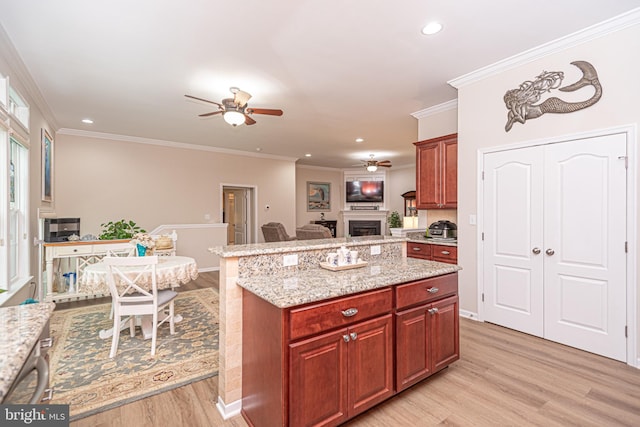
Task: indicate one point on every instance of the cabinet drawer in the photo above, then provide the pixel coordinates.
(426, 290)
(418, 250)
(323, 316)
(444, 253)
(62, 251)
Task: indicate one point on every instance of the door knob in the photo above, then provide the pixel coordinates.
(535, 250)
(550, 252)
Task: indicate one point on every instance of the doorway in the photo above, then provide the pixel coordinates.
(554, 253)
(237, 212)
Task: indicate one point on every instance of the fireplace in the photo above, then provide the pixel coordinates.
(364, 228)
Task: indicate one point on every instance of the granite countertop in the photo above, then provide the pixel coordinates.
(419, 238)
(316, 284)
(21, 329)
(299, 245)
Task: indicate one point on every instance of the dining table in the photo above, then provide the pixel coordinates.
(171, 272)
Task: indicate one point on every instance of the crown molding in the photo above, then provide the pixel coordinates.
(318, 168)
(172, 144)
(436, 109)
(20, 73)
(585, 35)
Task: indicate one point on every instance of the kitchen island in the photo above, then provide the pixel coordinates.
(254, 279)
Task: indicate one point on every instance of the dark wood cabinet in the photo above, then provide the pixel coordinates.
(431, 252)
(330, 224)
(427, 322)
(437, 172)
(323, 363)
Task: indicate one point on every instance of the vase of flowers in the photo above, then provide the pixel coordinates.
(143, 243)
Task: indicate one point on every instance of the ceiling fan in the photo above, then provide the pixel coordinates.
(373, 165)
(235, 111)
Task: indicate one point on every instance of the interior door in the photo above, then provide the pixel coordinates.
(554, 249)
(236, 213)
(513, 212)
(584, 242)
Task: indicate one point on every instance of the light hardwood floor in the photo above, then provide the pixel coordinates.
(503, 378)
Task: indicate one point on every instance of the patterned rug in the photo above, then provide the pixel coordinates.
(85, 378)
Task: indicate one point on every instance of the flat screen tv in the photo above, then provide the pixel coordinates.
(365, 191)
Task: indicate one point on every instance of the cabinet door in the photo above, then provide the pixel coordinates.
(449, 191)
(413, 352)
(370, 367)
(428, 175)
(443, 331)
(318, 380)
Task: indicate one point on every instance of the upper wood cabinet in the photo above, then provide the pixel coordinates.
(437, 172)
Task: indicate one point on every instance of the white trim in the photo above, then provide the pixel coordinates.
(172, 144)
(318, 168)
(469, 315)
(632, 215)
(254, 237)
(585, 35)
(208, 269)
(185, 226)
(436, 109)
(229, 411)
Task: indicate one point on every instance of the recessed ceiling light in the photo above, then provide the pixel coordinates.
(87, 121)
(308, 155)
(258, 149)
(432, 28)
(359, 140)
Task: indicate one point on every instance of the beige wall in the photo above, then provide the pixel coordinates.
(399, 181)
(306, 174)
(482, 116)
(101, 180)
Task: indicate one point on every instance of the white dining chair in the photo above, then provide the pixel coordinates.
(135, 296)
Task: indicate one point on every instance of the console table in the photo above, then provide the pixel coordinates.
(85, 253)
(331, 225)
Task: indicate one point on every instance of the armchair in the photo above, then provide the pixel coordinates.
(275, 232)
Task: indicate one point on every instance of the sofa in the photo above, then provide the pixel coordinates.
(313, 231)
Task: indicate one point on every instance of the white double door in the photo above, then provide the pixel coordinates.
(554, 242)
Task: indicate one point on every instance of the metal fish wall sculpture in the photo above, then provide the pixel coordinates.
(520, 102)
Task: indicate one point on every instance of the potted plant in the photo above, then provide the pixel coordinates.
(119, 230)
(395, 223)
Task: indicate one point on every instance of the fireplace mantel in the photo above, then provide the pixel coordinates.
(365, 215)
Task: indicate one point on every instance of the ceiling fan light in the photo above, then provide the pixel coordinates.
(372, 168)
(234, 118)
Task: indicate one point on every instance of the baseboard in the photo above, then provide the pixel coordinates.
(208, 269)
(469, 315)
(230, 410)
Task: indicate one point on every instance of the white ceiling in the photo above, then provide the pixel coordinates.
(340, 69)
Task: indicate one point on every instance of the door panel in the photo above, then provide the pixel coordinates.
(554, 250)
(513, 228)
(585, 217)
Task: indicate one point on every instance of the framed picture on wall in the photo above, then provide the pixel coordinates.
(47, 167)
(318, 196)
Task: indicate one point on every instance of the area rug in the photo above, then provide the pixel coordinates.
(85, 378)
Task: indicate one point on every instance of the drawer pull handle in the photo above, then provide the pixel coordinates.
(416, 249)
(350, 312)
(433, 310)
(353, 336)
(446, 252)
(46, 343)
(345, 338)
(433, 290)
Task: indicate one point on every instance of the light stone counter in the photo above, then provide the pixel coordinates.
(305, 286)
(419, 238)
(21, 329)
(300, 245)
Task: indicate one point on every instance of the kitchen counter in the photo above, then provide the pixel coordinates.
(21, 329)
(300, 245)
(302, 287)
(419, 238)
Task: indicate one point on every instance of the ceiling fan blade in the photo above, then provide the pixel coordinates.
(210, 114)
(203, 100)
(385, 165)
(384, 162)
(248, 120)
(268, 111)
